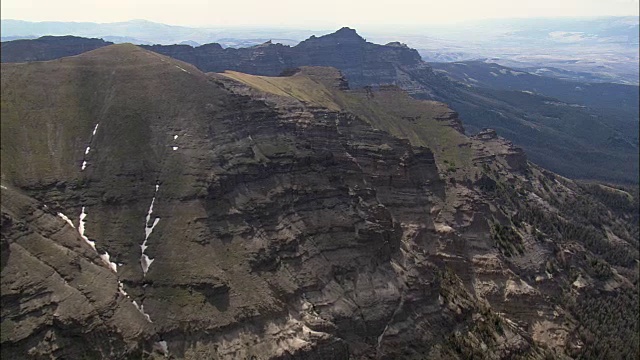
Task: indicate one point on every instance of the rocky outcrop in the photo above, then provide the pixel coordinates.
(286, 227)
(362, 62)
(514, 156)
(56, 289)
(236, 216)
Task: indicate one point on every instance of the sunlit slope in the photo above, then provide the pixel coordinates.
(424, 123)
(51, 109)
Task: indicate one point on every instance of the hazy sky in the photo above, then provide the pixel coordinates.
(306, 13)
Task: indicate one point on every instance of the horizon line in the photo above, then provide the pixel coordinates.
(318, 26)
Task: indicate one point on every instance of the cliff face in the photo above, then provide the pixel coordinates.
(56, 290)
(573, 140)
(238, 216)
(362, 62)
(544, 127)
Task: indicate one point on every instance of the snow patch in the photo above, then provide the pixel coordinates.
(106, 258)
(149, 229)
(150, 211)
(183, 69)
(141, 309)
(81, 228)
(3, 187)
(66, 218)
(86, 152)
(95, 129)
(175, 137)
(84, 165)
(121, 289)
(494, 74)
(174, 148)
(145, 261)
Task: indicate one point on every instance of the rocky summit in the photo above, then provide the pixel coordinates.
(151, 210)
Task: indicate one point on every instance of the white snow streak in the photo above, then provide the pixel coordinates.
(81, 229)
(175, 137)
(145, 261)
(148, 230)
(105, 257)
(86, 151)
(121, 289)
(150, 211)
(3, 187)
(183, 69)
(141, 309)
(65, 218)
(175, 148)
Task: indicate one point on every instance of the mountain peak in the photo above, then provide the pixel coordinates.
(345, 33)
(347, 30)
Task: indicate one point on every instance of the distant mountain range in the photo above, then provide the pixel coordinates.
(590, 133)
(147, 32)
(601, 49)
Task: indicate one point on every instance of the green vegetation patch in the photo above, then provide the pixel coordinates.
(508, 240)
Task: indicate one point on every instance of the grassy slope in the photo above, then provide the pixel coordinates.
(141, 99)
(389, 110)
(45, 128)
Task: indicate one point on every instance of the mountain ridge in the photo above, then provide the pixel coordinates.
(576, 142)
(289, 217)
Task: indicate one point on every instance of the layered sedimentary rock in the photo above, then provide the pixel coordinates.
(229, 216)
(598, 141)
